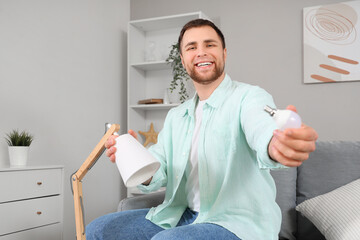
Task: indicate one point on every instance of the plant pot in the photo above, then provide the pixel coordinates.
(174, 96)
(166, 96)
(18, 155)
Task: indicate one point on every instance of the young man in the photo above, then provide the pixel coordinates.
(215, 152)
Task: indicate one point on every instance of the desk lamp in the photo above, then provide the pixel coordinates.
(77, 177)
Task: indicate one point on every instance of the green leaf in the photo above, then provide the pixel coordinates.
(15, 138)
(179, 73)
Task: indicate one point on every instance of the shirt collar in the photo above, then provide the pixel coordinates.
(215, 99)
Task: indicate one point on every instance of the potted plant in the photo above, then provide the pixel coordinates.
(179, 73)
(19, 143)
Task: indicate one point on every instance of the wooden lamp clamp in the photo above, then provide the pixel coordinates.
(80, 174)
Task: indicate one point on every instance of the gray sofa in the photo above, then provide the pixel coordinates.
(331, 166)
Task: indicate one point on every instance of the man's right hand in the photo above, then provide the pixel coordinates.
(109, 145)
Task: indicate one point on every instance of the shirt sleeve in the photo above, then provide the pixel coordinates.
(258, 125)
(159, 150)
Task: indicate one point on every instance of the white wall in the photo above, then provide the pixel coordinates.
(62, 76)
(264, 42)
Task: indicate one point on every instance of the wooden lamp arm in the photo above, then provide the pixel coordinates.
(80, 174)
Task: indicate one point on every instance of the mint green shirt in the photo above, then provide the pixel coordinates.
(236, 188)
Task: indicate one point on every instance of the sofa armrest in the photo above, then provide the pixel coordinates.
(142, 201)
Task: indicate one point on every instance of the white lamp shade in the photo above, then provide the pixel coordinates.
(135, 163)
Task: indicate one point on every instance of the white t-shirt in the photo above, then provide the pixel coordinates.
(192, 170)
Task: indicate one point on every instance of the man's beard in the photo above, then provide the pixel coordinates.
(216, 73)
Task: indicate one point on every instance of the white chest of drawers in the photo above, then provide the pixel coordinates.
(31, 203)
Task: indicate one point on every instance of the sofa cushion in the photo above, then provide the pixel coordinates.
(142, 201)
(336, 214)
(331, 166)
(285, 180)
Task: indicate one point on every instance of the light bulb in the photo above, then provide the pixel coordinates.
(284, 118)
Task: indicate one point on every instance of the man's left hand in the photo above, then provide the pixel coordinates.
(292, 146)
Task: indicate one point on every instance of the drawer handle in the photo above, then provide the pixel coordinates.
(39, 183)
(38, 213)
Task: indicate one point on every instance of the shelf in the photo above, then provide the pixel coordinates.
(154, 106)
(28, 168)
(149, 79)
(158, 23)
(156, 65)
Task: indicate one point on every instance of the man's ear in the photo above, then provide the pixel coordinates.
(182, 61)
(225, 54)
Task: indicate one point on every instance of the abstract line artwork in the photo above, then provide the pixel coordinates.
(332, 43)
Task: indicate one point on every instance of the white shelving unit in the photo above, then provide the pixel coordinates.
(154, 106)
(148, 73)
(149, 44)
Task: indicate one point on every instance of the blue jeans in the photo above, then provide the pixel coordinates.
(132, 225)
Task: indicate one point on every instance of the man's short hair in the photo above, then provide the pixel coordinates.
(200, 23)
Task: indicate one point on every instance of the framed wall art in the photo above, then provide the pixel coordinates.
(332, 43)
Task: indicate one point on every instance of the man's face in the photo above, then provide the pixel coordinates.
(202, 54)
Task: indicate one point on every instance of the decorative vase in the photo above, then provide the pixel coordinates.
(166, 96)
(150, 52)
(18, 155)
(174, 96)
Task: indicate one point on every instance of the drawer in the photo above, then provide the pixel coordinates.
(22, 215)
(49, 232)
(17, 185)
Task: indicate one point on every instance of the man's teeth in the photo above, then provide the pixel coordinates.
(203, 64)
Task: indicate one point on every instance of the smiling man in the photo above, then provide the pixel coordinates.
(203, 55)
(215, 152)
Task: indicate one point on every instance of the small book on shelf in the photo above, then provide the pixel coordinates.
(151, 101)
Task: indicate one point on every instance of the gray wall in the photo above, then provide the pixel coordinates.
(62, 76)
(264, 42)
